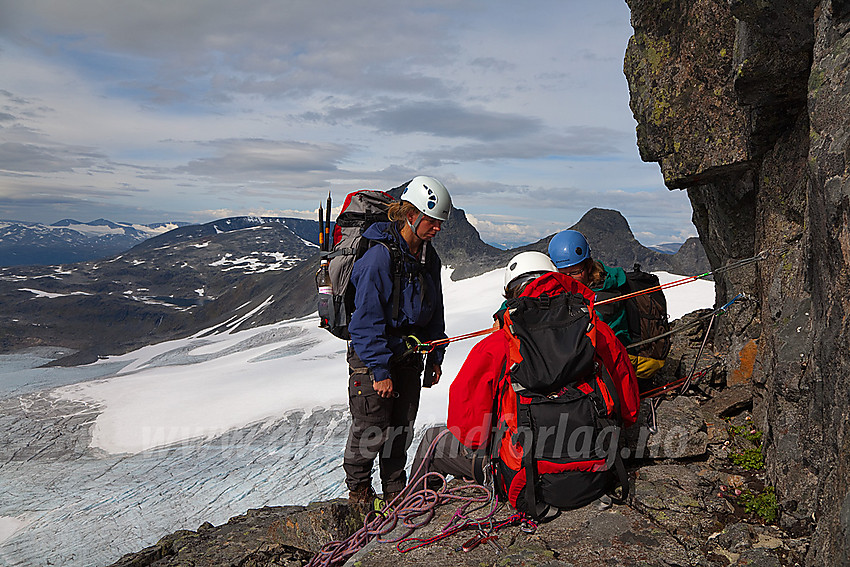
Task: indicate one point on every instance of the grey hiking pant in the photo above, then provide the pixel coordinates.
(449, 456)
(380, 427)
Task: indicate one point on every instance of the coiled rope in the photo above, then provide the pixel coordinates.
(415, 507)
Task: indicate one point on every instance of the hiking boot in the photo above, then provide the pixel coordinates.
(390, 496)
(363, 498)
(603, 502)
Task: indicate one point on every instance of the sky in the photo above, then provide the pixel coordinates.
(201, 109)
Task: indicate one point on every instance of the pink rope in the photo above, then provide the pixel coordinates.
(413, 508)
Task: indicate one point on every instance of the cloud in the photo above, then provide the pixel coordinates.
(446, 119)
(19, 158)
(256, 159)
(492, 64)
(577, 141)
(168, 108)
(213, 214)
(256, 46)
(450, 120)
(506, 231)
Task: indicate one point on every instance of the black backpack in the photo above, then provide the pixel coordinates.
(647, 315)
(360, 210)
(568, 409)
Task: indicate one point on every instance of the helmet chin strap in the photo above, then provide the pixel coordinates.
(415, 226)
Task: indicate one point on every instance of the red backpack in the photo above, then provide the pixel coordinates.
(559, 407)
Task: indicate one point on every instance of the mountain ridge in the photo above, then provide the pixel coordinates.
(260, 269)
(69, 241)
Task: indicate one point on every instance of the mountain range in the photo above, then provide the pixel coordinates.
(237, 273)
(69, 241)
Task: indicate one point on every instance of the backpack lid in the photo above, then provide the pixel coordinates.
(556, 283)
(552, 334)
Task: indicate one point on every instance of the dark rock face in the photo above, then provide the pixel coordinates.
(747, 105)
(611, 241)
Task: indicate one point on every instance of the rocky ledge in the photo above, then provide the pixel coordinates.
(699, 496)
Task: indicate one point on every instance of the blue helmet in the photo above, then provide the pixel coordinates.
(568, 248)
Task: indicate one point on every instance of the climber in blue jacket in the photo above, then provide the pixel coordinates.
(384, 378)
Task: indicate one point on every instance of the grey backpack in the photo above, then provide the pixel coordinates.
(359, 211)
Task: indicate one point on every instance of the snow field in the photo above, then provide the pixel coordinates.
(198, 387)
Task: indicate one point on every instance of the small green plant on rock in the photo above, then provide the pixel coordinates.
(747, 432)
(747, 439)
(762, 504)
(750, 459)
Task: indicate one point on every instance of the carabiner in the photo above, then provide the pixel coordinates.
(414, 345)
(528, 526)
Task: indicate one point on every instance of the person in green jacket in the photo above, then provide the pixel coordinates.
(570, 252)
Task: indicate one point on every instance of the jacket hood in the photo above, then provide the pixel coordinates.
(381, 231)
(614, 277)
(555, 283)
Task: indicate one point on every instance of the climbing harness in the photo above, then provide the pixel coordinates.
(414, 345)
(414, 507)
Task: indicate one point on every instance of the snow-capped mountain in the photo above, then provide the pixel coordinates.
(67, 241)
(667, 247)
(171, 285)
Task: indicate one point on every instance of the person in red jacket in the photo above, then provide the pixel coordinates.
(479, 400)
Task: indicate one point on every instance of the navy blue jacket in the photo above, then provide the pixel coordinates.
(375, 336)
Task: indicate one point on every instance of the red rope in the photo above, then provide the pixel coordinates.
(439, 342)
(413, 508)
(668, 285)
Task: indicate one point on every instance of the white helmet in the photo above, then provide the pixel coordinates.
(429, 196)
(526, 263)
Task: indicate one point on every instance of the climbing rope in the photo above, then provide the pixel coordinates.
(414, 345)
(414, 507)
(739, 264)
(674, 384)
(686, 381)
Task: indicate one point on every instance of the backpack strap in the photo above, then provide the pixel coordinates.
(397, 267)
(495, 441)
(538, 511)
(397, 272)
(619, 466)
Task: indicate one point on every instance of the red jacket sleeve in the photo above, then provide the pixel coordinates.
(616, 360)
(473, 392)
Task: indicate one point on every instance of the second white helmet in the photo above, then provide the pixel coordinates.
(429, 196)
(526, 263)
